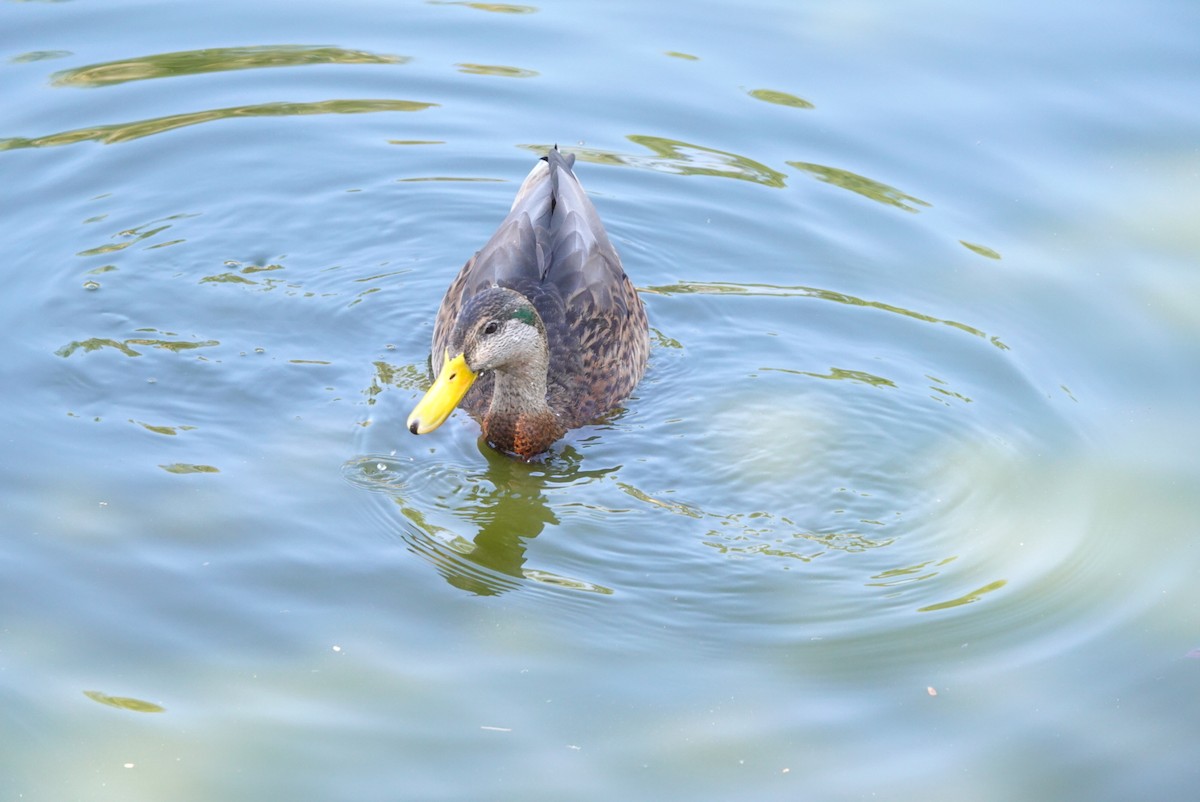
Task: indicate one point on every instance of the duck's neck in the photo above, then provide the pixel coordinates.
(521, 388)
(519, 419)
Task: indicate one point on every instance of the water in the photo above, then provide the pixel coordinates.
(903, 509)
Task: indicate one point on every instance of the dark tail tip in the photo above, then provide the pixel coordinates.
(556, 158)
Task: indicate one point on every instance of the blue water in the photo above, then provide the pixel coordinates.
(904, 508)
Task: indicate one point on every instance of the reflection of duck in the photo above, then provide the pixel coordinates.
(473, 524)
(541, 331)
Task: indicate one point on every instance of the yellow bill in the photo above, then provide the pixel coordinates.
(448, 389)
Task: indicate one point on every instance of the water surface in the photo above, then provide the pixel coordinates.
(904, 508)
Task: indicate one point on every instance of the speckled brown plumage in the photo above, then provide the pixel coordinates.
(553, 249)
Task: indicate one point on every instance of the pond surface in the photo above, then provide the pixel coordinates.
(906, 507)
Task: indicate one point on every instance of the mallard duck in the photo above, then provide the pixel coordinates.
(541, 331)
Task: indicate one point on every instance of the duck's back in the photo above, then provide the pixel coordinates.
(553, 249)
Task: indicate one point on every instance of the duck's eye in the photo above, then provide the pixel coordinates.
(491, 327)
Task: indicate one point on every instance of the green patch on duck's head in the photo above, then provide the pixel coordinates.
(525, 314)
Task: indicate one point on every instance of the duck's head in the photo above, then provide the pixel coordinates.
(497, 330)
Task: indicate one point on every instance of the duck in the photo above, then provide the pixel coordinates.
(541, 331)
